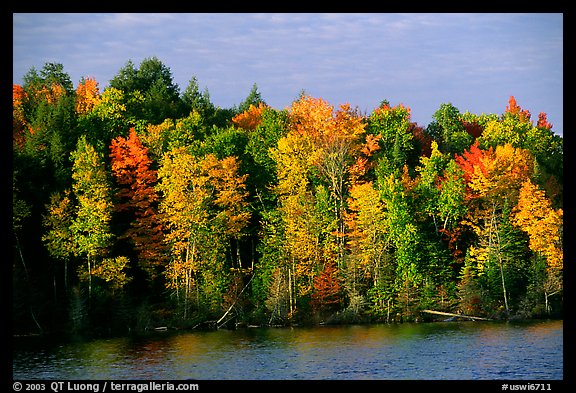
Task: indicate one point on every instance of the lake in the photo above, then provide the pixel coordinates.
(529, 350)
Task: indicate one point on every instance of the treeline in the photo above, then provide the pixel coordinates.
(142, 206)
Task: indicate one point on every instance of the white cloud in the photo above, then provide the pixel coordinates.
(366, 57)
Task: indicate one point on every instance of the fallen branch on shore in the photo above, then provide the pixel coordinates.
(234, 303)
(449, 314)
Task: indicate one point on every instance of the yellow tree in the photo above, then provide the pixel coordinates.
(87, 95)
(313, 162)
(58, 238)
(184, 206)
(293, 162)
(19, 122)
(493, 179)
(543, 224)
(369, 246)
(335, 139)
(91, 225)
(204, 206)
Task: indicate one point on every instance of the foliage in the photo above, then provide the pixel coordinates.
(172, 211)
(203, 206)
(137, 201)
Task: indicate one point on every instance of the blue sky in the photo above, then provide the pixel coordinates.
(474, 61)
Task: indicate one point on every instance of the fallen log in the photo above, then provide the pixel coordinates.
(449, 314)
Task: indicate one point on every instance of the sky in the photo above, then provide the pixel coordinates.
(421, 60)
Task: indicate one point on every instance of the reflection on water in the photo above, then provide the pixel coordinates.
(423, 351)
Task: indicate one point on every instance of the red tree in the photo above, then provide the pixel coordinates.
(327, 290)
(138, 200)
(514, 109)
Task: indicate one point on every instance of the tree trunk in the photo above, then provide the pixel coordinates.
(27, 279)
(89, 281)
(290, 291)
(493, 224)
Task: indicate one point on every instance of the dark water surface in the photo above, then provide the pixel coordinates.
(422, 351)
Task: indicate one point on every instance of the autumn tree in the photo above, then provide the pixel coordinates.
(543, 224)
(87, 95)
(90, 226)
(312, 169)
(370, 267)
(19, 122)
(296, 199)
(335, 140)
(250, 118)
(184, 206)
(326, 296)
(515, 127)
(58, 238)
(203, 208)
(494, 179)
(138, 201)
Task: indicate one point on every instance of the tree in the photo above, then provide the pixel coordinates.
(312, 164)
(87, 95)
(59, 238)
(91, 224)
(138, 200)
(254, 98)
(190, 132)
(296, 203)
(430, 171)
(393, 126)
(326, 290)
(184, 206)
(47, 106)
(543, 224)
(149, 91)
(107, 119)
(250, 118)
(494, 179)
(513, 109)
(369, 268)
(203, 206)
(195, 100)
(261, 166)
(19, 122)
(335, 141)
(515, 127)
(448, 130)
(405, 238)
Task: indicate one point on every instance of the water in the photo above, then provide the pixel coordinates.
(415, 351)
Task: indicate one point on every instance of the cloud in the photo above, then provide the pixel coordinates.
(357, 58)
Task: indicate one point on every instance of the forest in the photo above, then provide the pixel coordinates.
(142, 206)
